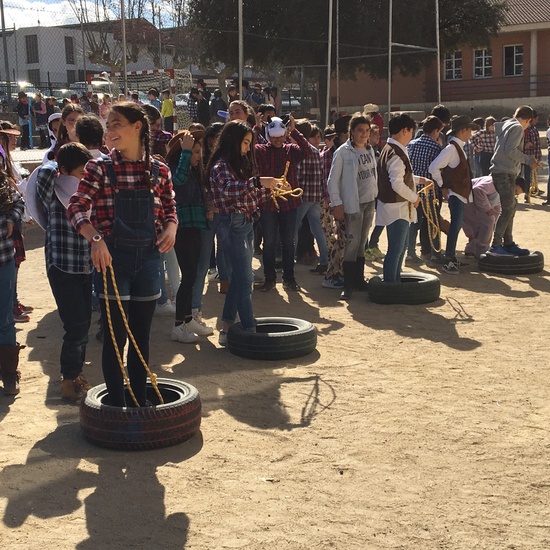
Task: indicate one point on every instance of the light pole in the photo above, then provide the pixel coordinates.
(123, 22)
(329, 61)
(241, 49)
(6, 58)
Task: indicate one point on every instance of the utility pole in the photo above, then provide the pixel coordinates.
(5, 47)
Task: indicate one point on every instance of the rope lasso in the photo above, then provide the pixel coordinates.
(284, 189)
(152, 376)
(432, 217)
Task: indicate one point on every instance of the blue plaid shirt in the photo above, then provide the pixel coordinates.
(65, 248)
(422, 151)
(12, 215)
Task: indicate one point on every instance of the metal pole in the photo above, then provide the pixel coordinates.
(6, 58)
(438, 51)
(329, 60)
(337, 56)
(83, 47)
(123, 22)
(241, 49)
(302, 95)
(390, 38)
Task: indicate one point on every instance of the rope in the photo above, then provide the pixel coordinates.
(284, 189)
(432, 217)
(152, 376)
(533, 187)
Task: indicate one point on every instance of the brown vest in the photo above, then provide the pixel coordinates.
(459, 179)
(385, 191)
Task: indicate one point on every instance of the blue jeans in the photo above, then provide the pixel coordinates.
(312, 210)
(284, 225)
(207, 242)
(456, 207)
(7, 283)
(73, 296)
(236, 235)
(398, 237)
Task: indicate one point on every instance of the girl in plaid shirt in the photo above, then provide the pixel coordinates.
(236, 192)
(133, 220)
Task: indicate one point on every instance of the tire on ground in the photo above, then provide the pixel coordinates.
(414, 288)
(139, 429)
(276, 338)
(511, 265)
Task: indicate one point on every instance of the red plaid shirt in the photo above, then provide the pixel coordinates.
(484, 140)
(96, 194)
(312, 178)
(160, 140)
(272, 161)
(531, 135)
(231, 194)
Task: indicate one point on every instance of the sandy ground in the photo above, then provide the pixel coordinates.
(420, 427)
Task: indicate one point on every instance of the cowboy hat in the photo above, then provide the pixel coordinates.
(460, 122)
(174, 145)
(371, 108)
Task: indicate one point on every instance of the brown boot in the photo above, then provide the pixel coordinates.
(9, 359)
(74, 389)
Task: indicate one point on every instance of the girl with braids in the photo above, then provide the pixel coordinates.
(133, 220)
(236, 192)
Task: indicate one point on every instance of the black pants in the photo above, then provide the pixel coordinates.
(188, 250)
(73, 296)
(140, 317)
(25, 139)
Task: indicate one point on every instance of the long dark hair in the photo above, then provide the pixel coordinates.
(5, 142)
(228, 148)
(63, 136)
(213, 131)
(132, 112)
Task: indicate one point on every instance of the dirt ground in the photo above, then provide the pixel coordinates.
(420, 427)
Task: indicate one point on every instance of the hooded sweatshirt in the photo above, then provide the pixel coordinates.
(508, 156)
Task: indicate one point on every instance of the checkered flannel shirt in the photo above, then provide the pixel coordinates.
(159, 140)
(311, 177)
(65, 248)
(233, 195)
(484, 140)
(97, 194)
(422, 151)
(531, 135)
(272, 161)
(193, 109)
(13, 215)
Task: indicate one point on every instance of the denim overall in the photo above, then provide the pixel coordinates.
(132, 241)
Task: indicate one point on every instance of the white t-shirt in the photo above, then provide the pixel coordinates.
(366, 174)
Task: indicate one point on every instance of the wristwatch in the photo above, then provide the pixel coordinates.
(97, 237)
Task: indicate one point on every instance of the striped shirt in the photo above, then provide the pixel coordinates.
(96, 193)
(65, 248)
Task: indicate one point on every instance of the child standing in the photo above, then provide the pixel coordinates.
(134, 221)
(167, 111)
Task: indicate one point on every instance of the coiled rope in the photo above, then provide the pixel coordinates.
(284, 189)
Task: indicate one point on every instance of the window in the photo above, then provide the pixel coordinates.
(31, 41)
(71, 76)
(69, 50)
(483, 63)
(81, 75)
(453, 66)
(34, 76)
(513, 60)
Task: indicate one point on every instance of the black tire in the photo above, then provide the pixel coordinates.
(511, 265)
(414, 288)
(139, 429)
(276, 338)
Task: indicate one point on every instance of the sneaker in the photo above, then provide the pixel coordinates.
(268, 285)
(25, 309)
(450, 267)
(461, 264)
(413, 259)
(370, 254)
(222, 338)
(197, 316)
(291, 284)
(183, 334)
(200, 329)
(333, 283)
(213, 274)
(168, 308)
(19, 316)
(75, 389)
(516, 250)
(320, 269)
(378, 254)
(499, 250)
(437, 259)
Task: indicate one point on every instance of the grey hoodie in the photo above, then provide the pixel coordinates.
(508, 156)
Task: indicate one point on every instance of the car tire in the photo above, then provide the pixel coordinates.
(414, 288)
(276, 338)
(511, 265)
(142, 428)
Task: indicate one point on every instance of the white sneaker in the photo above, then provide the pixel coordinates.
(168, 308)
(183, 334)
(198, 328)
(213, 274)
